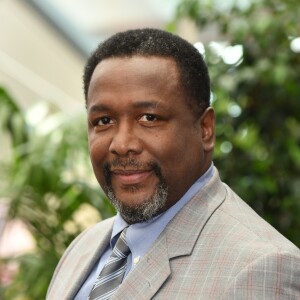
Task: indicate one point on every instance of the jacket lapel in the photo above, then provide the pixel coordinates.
(148, 276)
(178, 239)
(185, 229)
(93, 243)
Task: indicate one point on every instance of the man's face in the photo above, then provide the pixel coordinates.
(146, 145)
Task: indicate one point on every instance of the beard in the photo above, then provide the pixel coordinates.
(150, 207)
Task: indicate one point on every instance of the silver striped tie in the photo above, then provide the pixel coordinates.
(113, 272)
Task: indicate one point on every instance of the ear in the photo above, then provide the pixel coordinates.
(207, 123)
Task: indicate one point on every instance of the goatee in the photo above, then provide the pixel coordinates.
(150, 207)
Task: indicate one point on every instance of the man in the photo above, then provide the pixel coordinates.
(180, 233)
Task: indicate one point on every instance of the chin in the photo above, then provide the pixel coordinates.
(142, 210)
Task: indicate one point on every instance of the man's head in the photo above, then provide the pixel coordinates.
(151, 130)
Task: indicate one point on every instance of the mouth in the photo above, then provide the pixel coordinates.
(130, 177)
(131, 173)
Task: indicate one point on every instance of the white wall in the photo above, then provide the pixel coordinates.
(36, 62)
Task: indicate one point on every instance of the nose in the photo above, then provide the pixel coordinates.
(125, 141)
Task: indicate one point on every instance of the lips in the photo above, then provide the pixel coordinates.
(130, 177)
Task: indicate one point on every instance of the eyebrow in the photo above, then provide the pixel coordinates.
(145, 104)
(138, 104)
(98, 108)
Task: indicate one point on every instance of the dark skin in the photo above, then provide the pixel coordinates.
(137, 110)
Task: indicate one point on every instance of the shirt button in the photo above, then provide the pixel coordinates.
(136, 260)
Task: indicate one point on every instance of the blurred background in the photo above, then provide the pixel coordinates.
(48, 193)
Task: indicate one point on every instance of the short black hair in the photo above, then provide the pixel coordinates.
(193, 73)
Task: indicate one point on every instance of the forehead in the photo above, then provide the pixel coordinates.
(152, 71)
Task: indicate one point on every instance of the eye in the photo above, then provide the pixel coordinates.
(148, 118)
(104, 121)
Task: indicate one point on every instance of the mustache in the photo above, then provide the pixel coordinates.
(129, 162)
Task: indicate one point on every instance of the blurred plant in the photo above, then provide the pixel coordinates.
(254, 63)
(50, 186)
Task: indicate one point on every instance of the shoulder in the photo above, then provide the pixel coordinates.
(234, 217)
(239, 214)
(268, 263)
(274, 275)
(79, 255)
(247, 256)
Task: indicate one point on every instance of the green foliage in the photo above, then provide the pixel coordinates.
(257, 102)
(51, 188)
(11, 119)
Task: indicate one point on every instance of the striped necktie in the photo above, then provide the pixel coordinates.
(113, 272)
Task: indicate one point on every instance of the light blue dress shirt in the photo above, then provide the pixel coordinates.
(140, 236)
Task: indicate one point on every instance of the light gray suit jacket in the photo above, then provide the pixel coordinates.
(216, 247)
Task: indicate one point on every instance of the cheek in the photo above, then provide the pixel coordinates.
(180, 155)
(97, 153)
(168, 151)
